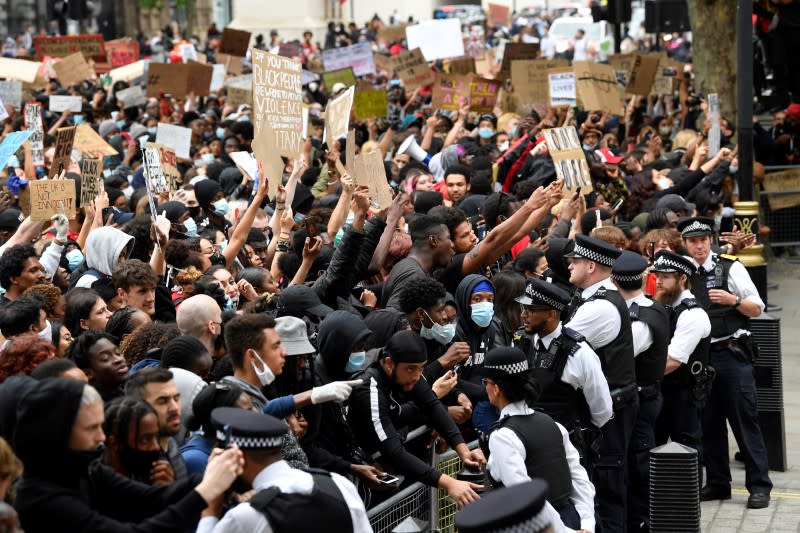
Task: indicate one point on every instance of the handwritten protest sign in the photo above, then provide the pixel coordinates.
(90, 180)
(187, 52)
(390, 34)
(156, 182)
(238, 96)
(374, 176)
(11, 93)
(11, 144)
(89, 142)
(73, 69)
(482, 94)
(517, 52)
(177, 138)
(597, 86)
(787, 180)
(217, 77)
(383, 63)
(278, 99)
(121, 52)
(19, 69)
(561, 87)
(62, 157)
(128, 73)
(91, 45)
(529, 78)
(337, 116)
(464, 65)
(622, 63)
(169, 168)
(643, 74)
(438, 39)
(370, 104)
(272, 162)
(450, 92)
(345, 76)
(413, 70)
(568, 157)
(665, 76)
(132, 96)
(52, 197)
(60, 103)
(33, 122)
(179, 80)
(234, 42)
(233, 64)
(358, 56)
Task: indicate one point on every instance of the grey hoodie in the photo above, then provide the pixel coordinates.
(103, 248)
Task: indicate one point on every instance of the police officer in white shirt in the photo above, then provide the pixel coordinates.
(724, 288)
(525, 444)
(286, 499)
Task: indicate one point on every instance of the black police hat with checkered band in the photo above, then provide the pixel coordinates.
(629, 267)
(540, 292)
(248, 429)
(506, 360)
(670, 262)
(696, 226)
(517, 509)
(594, 250)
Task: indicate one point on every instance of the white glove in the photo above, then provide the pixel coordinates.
(62, 226)
(338, 391)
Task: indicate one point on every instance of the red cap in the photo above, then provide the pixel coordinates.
(609, 157)
(793, 111)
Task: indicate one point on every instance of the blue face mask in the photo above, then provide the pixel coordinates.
(220, 133)
(191, 227)
(485, 133)
(355, 362)
(482, 313)
(733, 169)
(513, 132)
(121, 125)
(77, 120)
(152, 131)
(439, 333)
(245, 118)
(588, 147)
(221, 207)
(228, 303)
(199, 163)
(74, 259)
(717, 222)
(299, 218)
(207, 158)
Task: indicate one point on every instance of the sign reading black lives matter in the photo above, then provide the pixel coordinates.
(90, 180)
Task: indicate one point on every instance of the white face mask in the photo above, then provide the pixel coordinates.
(265, 376)
(47, 333)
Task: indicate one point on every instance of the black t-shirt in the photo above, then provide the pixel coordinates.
(451, 275)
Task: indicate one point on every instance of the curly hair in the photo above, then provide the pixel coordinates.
(667, 236)
(134, 272)
(12, 262)
(49, 293)
(145, 338)
(612, 235)
(23, 353)
(179, 254)
(422, 291)
(78, 351)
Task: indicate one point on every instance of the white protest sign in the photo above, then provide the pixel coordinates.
(61, 103)
(11, 93)
(128, 72)
(438, 39)
(19, 69)
(714, 133)
(359, 56)
(246, 162)
(176, 137)
(561, 85)
(217, 77)
(188, 53)
(132, 96)
(3, 111)
(278, 100)
(33, 122)
(337, 116)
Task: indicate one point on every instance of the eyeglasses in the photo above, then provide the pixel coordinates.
(486, 381)
(532, 308)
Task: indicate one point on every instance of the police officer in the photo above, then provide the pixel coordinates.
(525, 444)
(286, 499)
(522, 508)
(724, 288)
(603, 319)
(650, 328)
(573, 388)
(684, 384)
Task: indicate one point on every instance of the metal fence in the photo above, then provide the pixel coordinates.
(784, 222)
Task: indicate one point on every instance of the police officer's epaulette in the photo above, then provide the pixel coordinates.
(729, 257)
(574, 335)
(690, 303)
(633, 310)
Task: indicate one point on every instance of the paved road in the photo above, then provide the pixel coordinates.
(783, 514)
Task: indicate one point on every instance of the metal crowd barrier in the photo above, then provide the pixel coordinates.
(784, 222)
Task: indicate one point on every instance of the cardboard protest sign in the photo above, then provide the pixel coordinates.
(450, 92)
(370, 104)
(337, 116)
(358, 56)
(437, 39)
(19, 69)
(383, 63)
(128, 73)
(91, 180)
(198, 79)
(464, 65)
(482, 94)
(91, 45)
(169, 168)
(11, 93)
(374, 176)
(597, 87)
(238, 96)
(89, 142)
(517, 52)
(413, 70)
(73, 69)
(390, 34)
(278, 99)
(234, 42)
(179, 80)
(622, 63)
(60, 103)
(33, 122)
(121, 52)
(62, 157)
(272, 163)
(333, 77)
(529, 78)
(562, 87)
(787, 180)
(154, 176)
(11, 144)
(665, 76)
(643, 74)
(177, 138)
(51, 197)
(132, 96)
(233, 64)
(499, 14)
(568, 157)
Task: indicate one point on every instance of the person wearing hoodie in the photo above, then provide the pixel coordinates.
(475, 304)
(59, 438)
(106, 248)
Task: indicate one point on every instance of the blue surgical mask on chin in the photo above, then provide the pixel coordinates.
(355, 362)
(299, 218)
(485, 133)
(482, 313)
(221, 207)
(439, 333)
(588, 147)
(207, 158)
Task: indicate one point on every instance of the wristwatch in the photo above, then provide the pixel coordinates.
(738, 301)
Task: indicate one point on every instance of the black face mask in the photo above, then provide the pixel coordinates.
(194, 212)
(217, 258)
(139, 463)
(82, 459)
